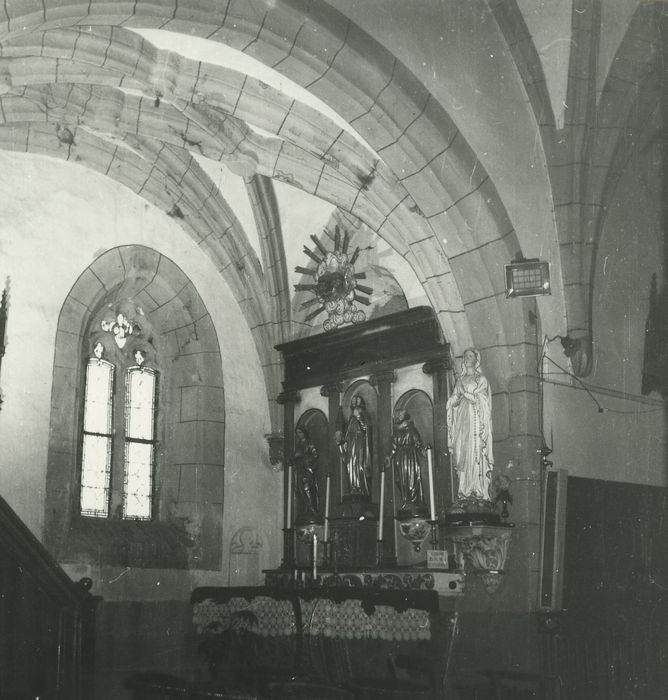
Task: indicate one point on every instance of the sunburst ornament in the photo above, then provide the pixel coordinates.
(336, 287)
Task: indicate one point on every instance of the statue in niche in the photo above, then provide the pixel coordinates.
(469, 420)
(405, 458)
(306, 474)
(355, 448)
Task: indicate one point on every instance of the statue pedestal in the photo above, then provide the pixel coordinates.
(482, 549)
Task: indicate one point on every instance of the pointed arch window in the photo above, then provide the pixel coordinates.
(119, 438)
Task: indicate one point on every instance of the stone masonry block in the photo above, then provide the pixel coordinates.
(87, 289)
(307, 125)
(22, 13)
(221, 86)
(299, 67)
(109, 268)
(169, 316)
(202, 403)
(140, 260)
(192, 302)
(34, 71)
(298, 168)
(197, 442)
(203, 368)
(471, 286)
(167, 283)
(128, 171)
(404, 97)
(201, 483)
(333, 187)
(19, 109)
(67, 350)
(73, 315)
(276, 37)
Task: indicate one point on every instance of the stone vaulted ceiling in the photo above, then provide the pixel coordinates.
(375, 137)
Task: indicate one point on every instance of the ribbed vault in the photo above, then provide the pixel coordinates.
(77, 84)
(587, 157)
(390, 110)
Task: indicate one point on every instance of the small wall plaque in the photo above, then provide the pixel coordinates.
(437, 559)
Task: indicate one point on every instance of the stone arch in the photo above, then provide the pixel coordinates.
(328, 67)
(189, 472)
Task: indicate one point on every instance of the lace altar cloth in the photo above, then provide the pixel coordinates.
(341, 618)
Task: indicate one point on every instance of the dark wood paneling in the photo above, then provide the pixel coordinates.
(47, 620)
(614, 641)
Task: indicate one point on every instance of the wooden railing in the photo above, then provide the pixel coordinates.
(47, 622)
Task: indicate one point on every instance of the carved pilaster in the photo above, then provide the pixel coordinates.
(439, 369)
(289, 396)
(331, 389)
(379, 378)
(439, 364)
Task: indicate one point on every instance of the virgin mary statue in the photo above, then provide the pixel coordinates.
(355, 449)
(469, 418)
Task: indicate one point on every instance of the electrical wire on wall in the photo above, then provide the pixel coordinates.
(595, 393)
(657, 405)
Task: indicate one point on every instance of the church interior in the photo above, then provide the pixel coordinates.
(333, 349)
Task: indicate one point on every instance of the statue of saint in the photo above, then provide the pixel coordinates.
(407, 449)
(469, 418)
(306, 472)
(355, 448)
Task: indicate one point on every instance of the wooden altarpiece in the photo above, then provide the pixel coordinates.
(398, 361)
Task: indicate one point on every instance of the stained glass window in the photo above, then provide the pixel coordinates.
(140, 400)
(97, 439)
(117, 475)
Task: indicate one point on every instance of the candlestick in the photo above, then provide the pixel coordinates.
(381, 507)
(326, 532)
(315, 556)
(289, 504)
(432, 504)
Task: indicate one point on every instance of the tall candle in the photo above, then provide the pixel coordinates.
(381, 507)
(3, 316)
(432, 504)
(315, 556)
(326, 533)
(289, 497)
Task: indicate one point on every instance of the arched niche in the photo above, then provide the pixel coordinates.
(421, 409)
(315, 423)
(363, 388)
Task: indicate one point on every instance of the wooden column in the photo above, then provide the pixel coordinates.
(443, 477)
(288, 399)
(383, 381)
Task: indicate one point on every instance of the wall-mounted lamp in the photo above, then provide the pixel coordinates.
(527, 277)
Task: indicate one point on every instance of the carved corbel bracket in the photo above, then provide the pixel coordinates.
(276, 442)
(484, 549)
